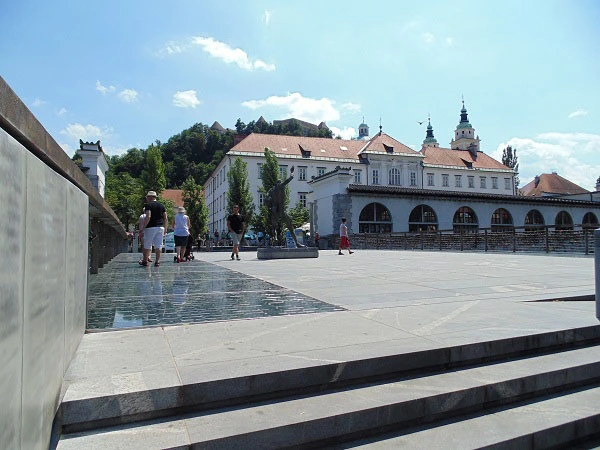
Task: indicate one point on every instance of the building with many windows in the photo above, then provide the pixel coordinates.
(382, 186)
(380, 160)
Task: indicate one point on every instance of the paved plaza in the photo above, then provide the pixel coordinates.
(223, 323)
(278, 313)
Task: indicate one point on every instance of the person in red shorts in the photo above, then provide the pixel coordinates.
(344, 241)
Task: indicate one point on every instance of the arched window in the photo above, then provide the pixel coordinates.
(394, 176)
(589, 221)
(375, 218)
(465, 220)
(534, 221)
(563, 221)
(422, 218)
(502, 220)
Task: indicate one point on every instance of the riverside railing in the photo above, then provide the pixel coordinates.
(576, 239)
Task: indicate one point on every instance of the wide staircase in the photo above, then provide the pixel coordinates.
(533, 391)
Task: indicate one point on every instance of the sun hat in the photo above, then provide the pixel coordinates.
(181, 209)
(151, 194)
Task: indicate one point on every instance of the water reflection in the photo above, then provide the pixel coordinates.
(126, 295)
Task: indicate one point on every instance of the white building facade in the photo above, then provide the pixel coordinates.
(380, 160)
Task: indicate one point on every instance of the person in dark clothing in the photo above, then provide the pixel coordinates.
(154, 228)
(237, 226)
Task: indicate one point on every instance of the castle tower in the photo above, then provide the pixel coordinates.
(464, 135)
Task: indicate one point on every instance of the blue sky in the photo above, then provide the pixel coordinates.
(130, 73)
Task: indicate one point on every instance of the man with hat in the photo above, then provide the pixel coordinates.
(154, 228)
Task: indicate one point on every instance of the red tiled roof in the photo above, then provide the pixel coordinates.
(319, 147)
(175, 195)
(462, 158)
(551, 183)
(294, 145)
(381, 143)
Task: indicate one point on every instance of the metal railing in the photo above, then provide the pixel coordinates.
(546, 239)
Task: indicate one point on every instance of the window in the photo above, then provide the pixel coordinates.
(534, 220)
(320, 171)
(465, 220)
(482, 183)
(261, 199)
(430, 179)
(375, 176)
(283, 172)
(301, 173)
(471, 179)
(260, 170)
(357, 177)
(302, 199)
(375, 218)
(422, 218)
(445, 180)
(563, 221)
(507, 184)
(458, 181)
(494, 182)
(394, 176)
(501, 220)
(589, 221)
(413, 178)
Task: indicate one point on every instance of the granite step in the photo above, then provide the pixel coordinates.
(373, 408)
(558, 421)
(238, 384)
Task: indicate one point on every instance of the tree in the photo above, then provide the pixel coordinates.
(125, 196)
(193, 201)
(153, 175)
(510, 159)
(299, 215)
(239, 189)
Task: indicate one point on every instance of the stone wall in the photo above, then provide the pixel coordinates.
(43, 291)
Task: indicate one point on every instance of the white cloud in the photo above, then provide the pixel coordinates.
(351, 107)
(267, 17)
(172, 48)
(37, 103)
(428, 38)
(104, 89)
(61, 112)
(572, 155)
(128, 96)
(186, 99)
(578, 113)
(299, 107)
(87, 133)
(231, 55)
(345, 133)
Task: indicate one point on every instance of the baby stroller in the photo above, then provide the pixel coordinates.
(188, 255)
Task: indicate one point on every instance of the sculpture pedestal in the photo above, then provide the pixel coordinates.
(287, 253)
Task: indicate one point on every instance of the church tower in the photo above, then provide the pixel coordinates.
(363, 131)
(464, 135)
(430, 140)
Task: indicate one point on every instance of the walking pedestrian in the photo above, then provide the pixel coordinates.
(181, 232)
(237, 226)
(154, 228)
(344, 241)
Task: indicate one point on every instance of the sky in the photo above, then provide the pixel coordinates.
(129, 73)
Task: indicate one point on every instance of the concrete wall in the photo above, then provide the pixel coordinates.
(43, 290)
